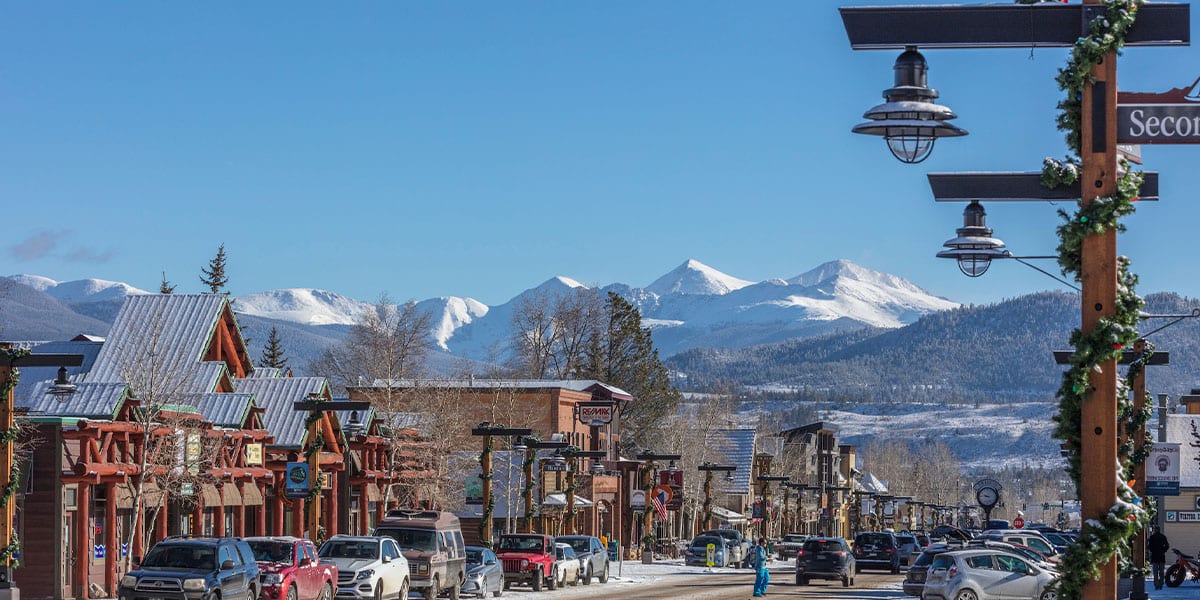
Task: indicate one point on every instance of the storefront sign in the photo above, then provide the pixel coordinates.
(595, 414)
(673, 480)
(1183, 516)
(1162, 470)
(296, 480)
(1171, 117)
(474, 489)
(191, 455)
(254, 454)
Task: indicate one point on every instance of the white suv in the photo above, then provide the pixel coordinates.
(368, 567)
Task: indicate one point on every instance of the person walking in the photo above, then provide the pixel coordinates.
(1158, 545)
(761, 576)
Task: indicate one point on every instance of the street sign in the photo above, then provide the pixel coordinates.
(296, 483)
(1018, 523)
(1170, 117)
(710, 552)
(1162, 470)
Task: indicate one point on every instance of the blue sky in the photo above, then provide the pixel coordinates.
(477, 149)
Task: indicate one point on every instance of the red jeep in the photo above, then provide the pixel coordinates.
(290, 569)
(527, 558)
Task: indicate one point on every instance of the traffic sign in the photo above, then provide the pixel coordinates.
(1018, 522)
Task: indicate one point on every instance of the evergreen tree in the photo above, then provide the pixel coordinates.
(622, 354)
(214, 276)
(273, 354)
(166, 287)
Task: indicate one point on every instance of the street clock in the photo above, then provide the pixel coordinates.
(987, 496)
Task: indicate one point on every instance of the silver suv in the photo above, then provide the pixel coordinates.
(986, 575)
(368, 567)
(593, 557)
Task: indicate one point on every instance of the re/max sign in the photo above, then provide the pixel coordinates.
(1158, 124)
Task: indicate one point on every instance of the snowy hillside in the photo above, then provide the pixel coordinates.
(82, 290)
(302, 305)
(695, 277)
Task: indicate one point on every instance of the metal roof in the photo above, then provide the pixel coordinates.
(276, 396)
(734, 447)
(208, 376)
(265, 372)
(171, 331)
(223, 410)
(578, 385)
(30, 376)
(88, 401)
(343, 416)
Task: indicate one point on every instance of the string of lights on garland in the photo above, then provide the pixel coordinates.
(9, 436)
(486, 475)
(1104, 539)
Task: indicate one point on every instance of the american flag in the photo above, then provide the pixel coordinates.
(659, 507)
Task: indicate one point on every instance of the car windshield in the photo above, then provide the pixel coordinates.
(421, 540)
(729, 535)
(704, 540)
(271, 551)
(579, 545)
(349, 549)
(942, 561)
(793, 538)
(906, 539)
(873, 539)
(521, 543)
(180, 556)
(474, 557)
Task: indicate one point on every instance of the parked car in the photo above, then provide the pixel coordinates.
(922, 539)
(914, 578)
(527, 558)
(1023, 537)
(193, 567)
(986, 575)
(697, 551)
(1059, 540)
(368, 566)
(566, 565)
(432, 542)
(908, 548)
(789, 545)
(593, 556)
(737, 548)
(877, 549)
(825, 558)
(484, 573)
(290, 570)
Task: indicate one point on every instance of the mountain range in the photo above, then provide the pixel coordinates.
(691, 306)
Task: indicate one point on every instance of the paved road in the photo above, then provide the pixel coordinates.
(867, 586)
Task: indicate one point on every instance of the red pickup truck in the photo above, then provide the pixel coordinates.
(290, 569)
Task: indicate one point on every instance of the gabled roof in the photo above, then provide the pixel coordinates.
(872, 484)
(344, 416)
(171, 330)
(88, 401)
(734, 447)
(224, 410)
(265, 372)
(208, 376)
(277, 396)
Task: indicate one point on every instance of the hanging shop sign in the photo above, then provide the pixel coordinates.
(1171, 117)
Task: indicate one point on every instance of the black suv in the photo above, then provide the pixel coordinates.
(194, 568)
(825, 558)
(878, 549)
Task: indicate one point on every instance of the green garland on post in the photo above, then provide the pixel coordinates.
(527, 493)
(485, 523)
(8, 437)
(315, 446)
(1104, 539)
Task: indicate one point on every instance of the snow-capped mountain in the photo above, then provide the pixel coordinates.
(695, 277)
(302, 305)
(81, 290)
(691, 306)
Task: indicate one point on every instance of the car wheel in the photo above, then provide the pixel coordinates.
(537, 580)
(498, 592)
(291, 595)
(456, 591)
(404, 590)
(553, 583)
(1048, 595)
(966, 595)
(379, 591)
(845, 581)
(435, 589)
(327, 593)
(587, 577)
(604, 574)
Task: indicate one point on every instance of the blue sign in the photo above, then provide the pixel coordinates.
(1162, 488)
(98, 551)
(296, 480)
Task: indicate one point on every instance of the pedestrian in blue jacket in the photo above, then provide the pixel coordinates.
(761, 576)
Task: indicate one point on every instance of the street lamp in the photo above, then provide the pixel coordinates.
(648, 457)
(487, 430)
(909, 121)
(10, 361)
(708, 469)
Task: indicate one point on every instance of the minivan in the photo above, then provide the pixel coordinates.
(432, 542)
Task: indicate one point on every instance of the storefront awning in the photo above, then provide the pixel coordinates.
(560, 500)
(230, 495)
(150, 495)
(250, 495)
(210, 495)
(728, 515)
